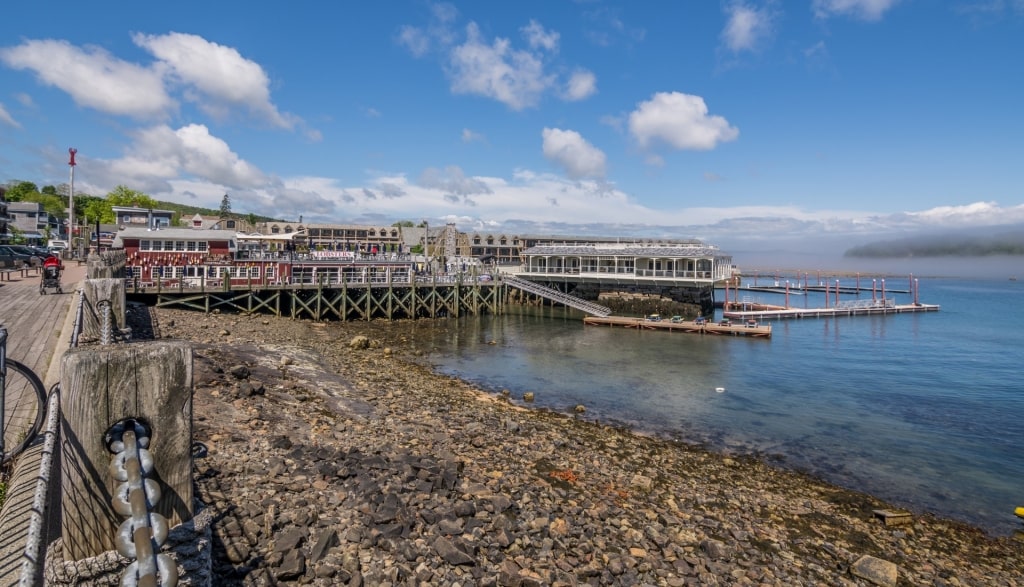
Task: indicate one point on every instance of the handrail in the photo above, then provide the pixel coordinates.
(555, 295)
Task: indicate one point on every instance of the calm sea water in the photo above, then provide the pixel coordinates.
(924, 410)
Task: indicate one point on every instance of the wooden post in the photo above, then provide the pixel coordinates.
(98, 290)
(146, 381)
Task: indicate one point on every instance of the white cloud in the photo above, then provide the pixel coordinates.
(515, 78)
(680, 121)
(93, 78)
(539, 38)
(863, 9)
(415, 40)
(160, 155)
(747, 27)
(453, 180)
(224, 78)
(470, 136)
(25, 100)
(582, 85)
(570, 151)
(6, 118)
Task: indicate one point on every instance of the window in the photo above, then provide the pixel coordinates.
(191, 246)
(179, 245)
(145, 245)
(229, 224)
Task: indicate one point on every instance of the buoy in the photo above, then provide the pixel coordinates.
(1019, 512)
(720, 389)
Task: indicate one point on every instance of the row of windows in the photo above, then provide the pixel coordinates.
(177, 246)
(200, 272)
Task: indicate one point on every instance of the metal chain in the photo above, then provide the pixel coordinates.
(106, 319)
(144, 532)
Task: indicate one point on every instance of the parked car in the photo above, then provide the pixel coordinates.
(58, 245)
(22, 254)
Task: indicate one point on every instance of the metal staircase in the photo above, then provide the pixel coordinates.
(555, 295)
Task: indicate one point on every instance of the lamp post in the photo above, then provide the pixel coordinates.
(71, 200)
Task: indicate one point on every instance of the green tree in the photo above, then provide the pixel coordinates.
(49, 190)
(125, 196)
(21, 191)
(225, 206)
(404, 223)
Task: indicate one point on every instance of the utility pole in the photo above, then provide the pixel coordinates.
(71, 201)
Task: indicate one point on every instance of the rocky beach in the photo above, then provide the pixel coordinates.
(335, 456)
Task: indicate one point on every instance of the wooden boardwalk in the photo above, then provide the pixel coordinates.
(735, 329)
(34, 321)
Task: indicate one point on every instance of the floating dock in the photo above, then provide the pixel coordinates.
(749, 327)
(858, 308)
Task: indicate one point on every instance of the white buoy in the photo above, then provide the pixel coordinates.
(720, 389)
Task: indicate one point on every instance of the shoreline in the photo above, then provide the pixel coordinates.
(506, 493)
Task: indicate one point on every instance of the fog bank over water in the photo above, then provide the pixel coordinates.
(827, 254)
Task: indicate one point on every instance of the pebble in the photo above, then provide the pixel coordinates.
(367, 468)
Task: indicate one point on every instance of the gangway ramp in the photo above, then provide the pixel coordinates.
(556, 296)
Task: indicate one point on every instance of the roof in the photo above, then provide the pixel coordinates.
(628, 250)
(183, 234)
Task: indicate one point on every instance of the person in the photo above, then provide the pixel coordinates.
(52, 260)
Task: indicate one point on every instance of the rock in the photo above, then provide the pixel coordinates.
(451, 553)
(877, 571)
(292, 567)
(580, 408)
(528, 397)
(359, 343)
(239, 372)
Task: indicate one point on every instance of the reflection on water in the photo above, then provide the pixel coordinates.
(920, 409)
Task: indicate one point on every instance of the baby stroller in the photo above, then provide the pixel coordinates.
(51, 278)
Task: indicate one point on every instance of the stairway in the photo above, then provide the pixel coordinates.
(556, 296)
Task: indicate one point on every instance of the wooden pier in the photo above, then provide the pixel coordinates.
(748, 327)
(329, 301)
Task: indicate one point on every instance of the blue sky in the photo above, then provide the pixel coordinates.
(856, 119)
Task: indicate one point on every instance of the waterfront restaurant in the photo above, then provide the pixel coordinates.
(689, 261)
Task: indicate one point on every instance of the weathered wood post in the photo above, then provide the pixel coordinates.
(148, 381)
(99, 292)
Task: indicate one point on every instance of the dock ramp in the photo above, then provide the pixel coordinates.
(556, 296)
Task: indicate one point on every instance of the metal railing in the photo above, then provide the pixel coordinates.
(557, 296)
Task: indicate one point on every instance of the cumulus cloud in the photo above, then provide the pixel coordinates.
(537, 37)
(94, 78)
(160, 155)
(514, 78)
(582, 84)
(571, 152)
(747, 27)
(6, 118)
(862, 9)
(680, 121)
(220, 75)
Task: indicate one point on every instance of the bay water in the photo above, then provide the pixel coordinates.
(924, 410)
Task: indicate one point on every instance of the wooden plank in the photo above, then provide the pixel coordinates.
(146, 381)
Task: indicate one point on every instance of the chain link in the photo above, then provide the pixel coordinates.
(142, 534)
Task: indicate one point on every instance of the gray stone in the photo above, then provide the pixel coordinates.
(877, 571)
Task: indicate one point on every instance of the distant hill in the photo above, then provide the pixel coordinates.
(959, 245)
(189, 211)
